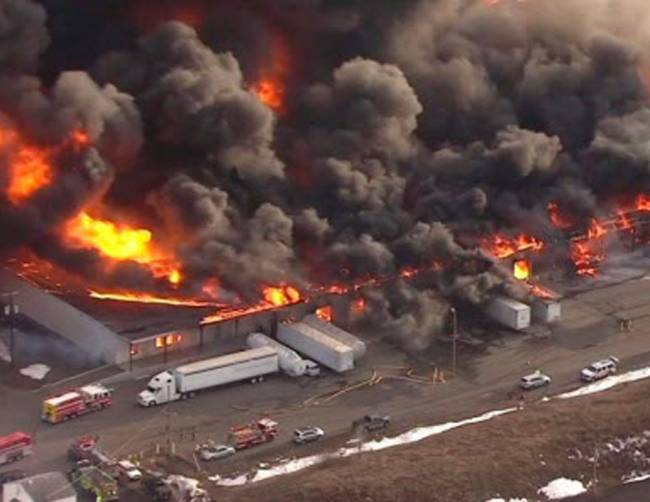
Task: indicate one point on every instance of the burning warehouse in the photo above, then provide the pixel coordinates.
(223, 161)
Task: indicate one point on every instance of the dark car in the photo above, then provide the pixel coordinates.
(372, 423)
(9, 476)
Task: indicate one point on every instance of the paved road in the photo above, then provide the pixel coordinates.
(587, 332)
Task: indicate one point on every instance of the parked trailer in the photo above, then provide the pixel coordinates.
(186, 380)
(75, 403)
(546, 311)
(357, 346)
(317, 345)
(289, 360)
(509, 312)
(15, 446)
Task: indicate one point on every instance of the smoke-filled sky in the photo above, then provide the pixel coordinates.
(392, 127)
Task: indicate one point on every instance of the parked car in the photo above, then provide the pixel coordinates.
(372, 423)
(209, 451)
(312, 369)
(599, 369)
(307, 435)
(534, 380)
(9, 476)
(129, 470)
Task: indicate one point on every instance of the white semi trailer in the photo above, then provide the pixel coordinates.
(186, 380)
(509, 312)
(289, 360)
(330, 329)
(317, 345)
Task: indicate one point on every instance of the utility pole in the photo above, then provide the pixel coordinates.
(10, 311)
(454, 338)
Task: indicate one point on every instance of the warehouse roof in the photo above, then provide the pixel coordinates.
(47, 487)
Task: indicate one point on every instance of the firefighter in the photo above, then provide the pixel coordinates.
(522, 399)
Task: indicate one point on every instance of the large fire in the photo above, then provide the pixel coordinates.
(273, 296)
(120, 242)
(503, 247)
(588, 249)
(145, 298)
(29, 167)
(270, 87)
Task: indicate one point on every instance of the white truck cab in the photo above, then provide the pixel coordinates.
(160, 389)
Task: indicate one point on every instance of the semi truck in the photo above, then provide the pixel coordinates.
(509, 312)
(76, 402)
(185, 381)
(317, 345)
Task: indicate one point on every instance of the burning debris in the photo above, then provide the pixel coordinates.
(204, 156)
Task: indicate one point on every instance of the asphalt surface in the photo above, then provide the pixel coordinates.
(487, 378)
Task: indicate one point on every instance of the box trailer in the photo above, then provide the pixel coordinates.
(546, 311)
(317, 345)
(509, 312)
(289, 360)
(186, 380)
(332, 330)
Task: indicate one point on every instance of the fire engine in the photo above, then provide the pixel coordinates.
(14, 447)
(76, 402)
(261, 431)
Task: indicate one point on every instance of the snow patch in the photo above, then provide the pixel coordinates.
(36, 371)
(607, 383)
(561, 488)
(507, 500)
(407, 437)
(636, 478)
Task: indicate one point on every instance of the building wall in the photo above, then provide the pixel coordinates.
(63, 319)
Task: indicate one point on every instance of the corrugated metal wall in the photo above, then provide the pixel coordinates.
(65, 320)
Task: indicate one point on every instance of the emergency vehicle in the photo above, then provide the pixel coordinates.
(261, 431)
(76, 402)
(15, 446)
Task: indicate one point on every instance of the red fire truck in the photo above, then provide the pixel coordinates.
(261, 431)
(76, 402)
(15, 446)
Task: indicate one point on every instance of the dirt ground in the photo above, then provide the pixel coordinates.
(511, 456)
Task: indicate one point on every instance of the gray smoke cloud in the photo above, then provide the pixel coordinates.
(415, 129)
(195, 98)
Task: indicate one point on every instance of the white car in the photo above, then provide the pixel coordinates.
(307, 435)
(534, 380)
(130, 470)
(311, 368)
(599, 369)
(209, 452)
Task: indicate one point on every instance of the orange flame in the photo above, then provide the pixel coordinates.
(325, 313)
(542, 292)
(120, 242)
(273, 296)
(642, 202)
(522, 270)
(30, 171)
(359, 305)
(270, 92)
(503, 247)
(145, 298)
(270, 88)
(556, 217)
